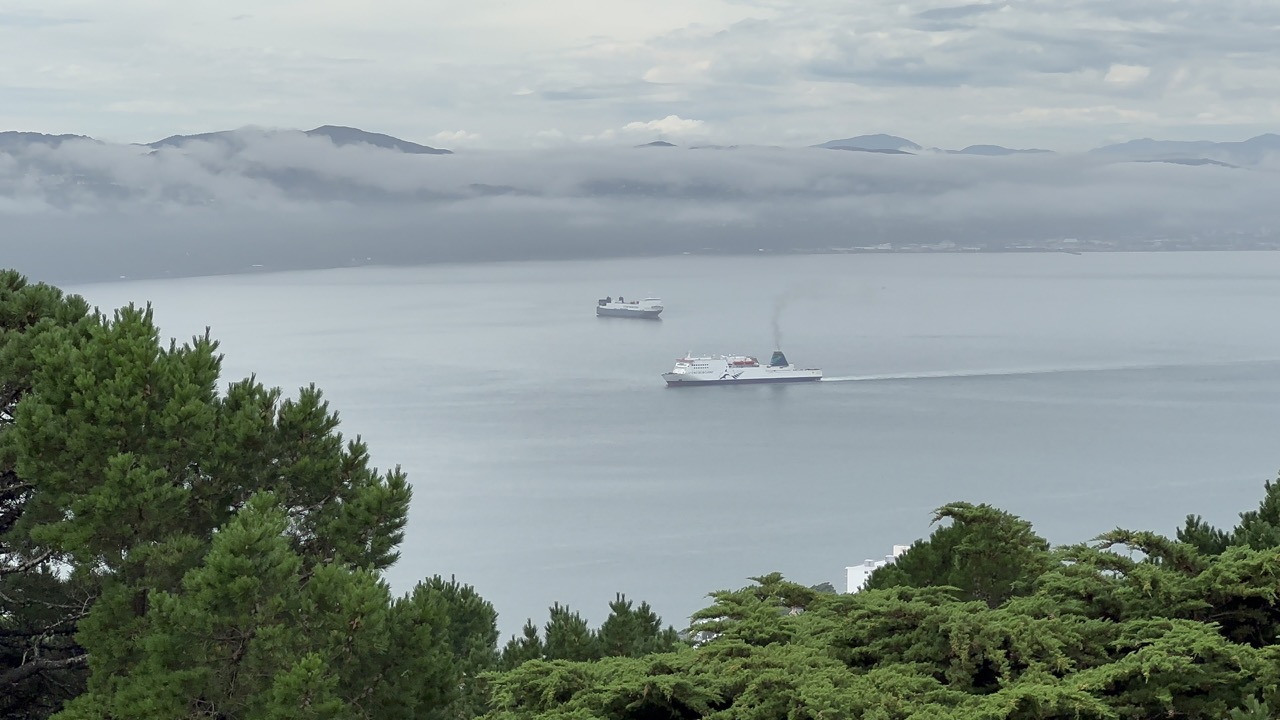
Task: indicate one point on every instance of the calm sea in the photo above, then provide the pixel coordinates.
(550, 463)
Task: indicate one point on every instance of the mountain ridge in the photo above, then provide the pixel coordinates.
(339, 135)
(17, 138)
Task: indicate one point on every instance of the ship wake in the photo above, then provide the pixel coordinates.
(1020, 372)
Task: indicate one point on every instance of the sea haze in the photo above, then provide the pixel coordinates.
(550, 463)
(78, 211)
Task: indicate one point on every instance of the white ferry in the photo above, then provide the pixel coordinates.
(736, 370)
(649, 308)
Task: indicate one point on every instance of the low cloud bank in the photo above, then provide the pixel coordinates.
(84, 211)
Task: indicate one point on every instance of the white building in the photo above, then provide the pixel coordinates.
(856, 575)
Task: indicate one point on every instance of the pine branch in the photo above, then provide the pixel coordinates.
(27, 565)
(40, 632)
(39, 665)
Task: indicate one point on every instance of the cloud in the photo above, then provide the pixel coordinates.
(605, 136)
(549, 138)
(888, 66)
(677, 69)
(756, 71)
(1126, 74)
(283, 200)
(454, 137)
(958, 12)
(669, 126)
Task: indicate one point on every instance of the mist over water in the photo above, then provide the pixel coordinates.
(551, 464)
(258, 201)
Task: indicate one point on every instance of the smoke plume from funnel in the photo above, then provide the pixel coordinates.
(778, 304)
(825, 289)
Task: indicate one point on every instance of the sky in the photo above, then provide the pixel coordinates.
(1065, 75)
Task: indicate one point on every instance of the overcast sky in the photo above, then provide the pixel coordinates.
(1061, 74)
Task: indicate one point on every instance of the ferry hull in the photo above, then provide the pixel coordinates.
(645, 314)
(680, 380)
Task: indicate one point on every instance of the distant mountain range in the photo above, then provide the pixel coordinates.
(1246, 152)
(1193, 152)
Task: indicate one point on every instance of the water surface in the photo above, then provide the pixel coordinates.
(550, 463)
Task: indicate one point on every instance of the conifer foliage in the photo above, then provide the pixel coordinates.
(41, 664)
(199, 553)
(982, 620)
(628, 631)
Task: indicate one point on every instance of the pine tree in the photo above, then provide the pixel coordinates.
(520, 650)
(41, 664)
(1203, 536)
(214, 645)
(471, 637)
(1258, 529)
(110, 438)
(229, 549)
(633, 632)
(568, 637)
(627, 632)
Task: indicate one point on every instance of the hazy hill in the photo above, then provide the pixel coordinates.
(878, 142)
(1186, 161)
(13, 139)
(221, 136)
(894, 145)
(336, 134)
(883, 151)
(340, 136)
(1245, 152)
(996, 150)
